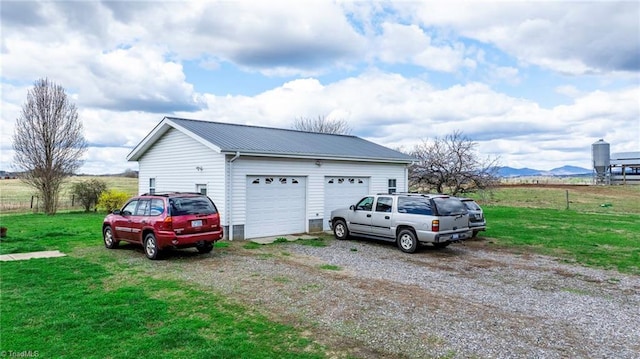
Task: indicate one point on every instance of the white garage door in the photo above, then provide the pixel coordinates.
(342, 192)
(275, 205)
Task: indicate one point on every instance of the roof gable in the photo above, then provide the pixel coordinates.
(274, 142)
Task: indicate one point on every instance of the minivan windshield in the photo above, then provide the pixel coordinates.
(181, 206)
(449, 206)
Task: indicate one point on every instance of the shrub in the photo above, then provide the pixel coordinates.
(111, 200)
(88, 192)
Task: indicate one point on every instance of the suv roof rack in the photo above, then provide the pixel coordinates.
(423, 194)
(169, 193)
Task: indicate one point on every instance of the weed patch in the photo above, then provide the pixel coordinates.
(330, 267)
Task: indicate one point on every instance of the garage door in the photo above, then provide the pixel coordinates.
(342, 192)
(275, 205)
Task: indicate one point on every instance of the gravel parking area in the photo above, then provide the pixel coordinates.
(369, 300)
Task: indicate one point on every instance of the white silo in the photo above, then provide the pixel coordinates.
(601, 159)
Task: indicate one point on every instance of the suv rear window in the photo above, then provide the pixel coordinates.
(414, 205)
(191, 205)
(447, 206)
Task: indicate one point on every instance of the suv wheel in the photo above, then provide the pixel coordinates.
(205, 248)
(151, 246)
(407, 241)
(109, 241)
(340, 230)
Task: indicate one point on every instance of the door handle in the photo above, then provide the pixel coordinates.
(368, 216)
(387, 217)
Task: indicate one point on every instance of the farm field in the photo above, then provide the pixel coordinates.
(15, 196)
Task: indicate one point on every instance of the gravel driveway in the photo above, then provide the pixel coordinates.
(466, 301)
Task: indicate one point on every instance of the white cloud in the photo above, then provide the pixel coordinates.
(568, 37)
(397, 111)
(431, 68)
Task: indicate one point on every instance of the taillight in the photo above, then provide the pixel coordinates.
(168, 222)
(435, 225)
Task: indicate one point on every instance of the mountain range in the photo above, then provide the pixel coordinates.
(560, 171)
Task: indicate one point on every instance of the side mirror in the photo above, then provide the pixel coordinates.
(352, 207)
(116, 211)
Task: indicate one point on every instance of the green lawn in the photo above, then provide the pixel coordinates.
(86, 305)
(77, 308)
(607, 240)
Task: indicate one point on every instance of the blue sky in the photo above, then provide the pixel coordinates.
(534, 83)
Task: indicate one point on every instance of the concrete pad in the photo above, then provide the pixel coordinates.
(289, 237)
(30, 255)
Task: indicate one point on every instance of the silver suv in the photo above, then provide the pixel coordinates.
(405, 218)
(477, 221)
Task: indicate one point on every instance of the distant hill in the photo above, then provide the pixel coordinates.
(560, 171)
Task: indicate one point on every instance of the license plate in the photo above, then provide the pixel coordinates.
(455, 236)
(197, 223)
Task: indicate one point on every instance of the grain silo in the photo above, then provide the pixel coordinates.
(600, 154)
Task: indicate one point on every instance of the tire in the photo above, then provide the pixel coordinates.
(151, 247)
(340, 230)
(475, 234)
(205, 248)
(109, 240)
(441, 244)
(407, 241)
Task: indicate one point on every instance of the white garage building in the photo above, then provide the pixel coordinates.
(266, 181)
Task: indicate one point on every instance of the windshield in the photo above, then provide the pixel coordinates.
(191, 205)
(471, 205)
(449, 206)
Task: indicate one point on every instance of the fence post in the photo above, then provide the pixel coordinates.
(567, 197)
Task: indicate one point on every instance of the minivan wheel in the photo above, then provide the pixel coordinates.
(109, 241)
(407, 241)
(340, 230)
(151, 246)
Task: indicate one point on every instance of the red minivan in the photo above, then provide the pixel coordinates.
(165, 220)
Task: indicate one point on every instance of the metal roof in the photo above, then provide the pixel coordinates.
(276, 142)
(625, 159)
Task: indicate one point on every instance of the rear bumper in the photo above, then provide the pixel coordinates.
(440, 237)
(170, 239)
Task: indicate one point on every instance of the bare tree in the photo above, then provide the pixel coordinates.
(451, 165)
(322, 125)
(48, 141)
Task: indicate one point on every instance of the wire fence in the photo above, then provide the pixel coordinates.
(34, 204)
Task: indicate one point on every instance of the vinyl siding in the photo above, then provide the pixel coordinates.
(315, 175)
(172, 161)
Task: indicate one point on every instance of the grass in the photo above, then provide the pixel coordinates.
(607, 240)
(39, 232)
(330, 267)
(619, 199)
(15, 195)
(75, 307)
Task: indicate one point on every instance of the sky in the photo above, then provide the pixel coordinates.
(532, 83)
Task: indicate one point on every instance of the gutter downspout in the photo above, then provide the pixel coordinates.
(230, 209)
